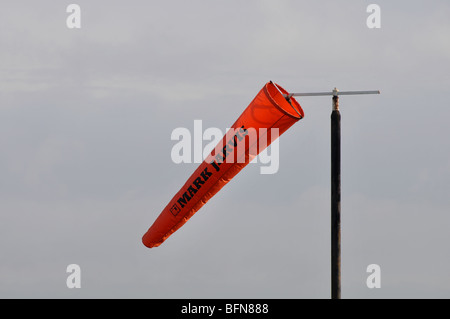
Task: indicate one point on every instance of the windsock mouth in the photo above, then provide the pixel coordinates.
(291, 108)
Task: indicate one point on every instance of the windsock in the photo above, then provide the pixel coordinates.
(268, 116)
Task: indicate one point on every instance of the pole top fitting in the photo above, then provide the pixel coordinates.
(335, 100)
(335, 92)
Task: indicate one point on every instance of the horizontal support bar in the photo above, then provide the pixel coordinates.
(357, 92)
(333, 93)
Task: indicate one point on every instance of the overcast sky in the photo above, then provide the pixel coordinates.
(86, 117)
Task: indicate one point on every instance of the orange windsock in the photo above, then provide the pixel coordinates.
(268, 116)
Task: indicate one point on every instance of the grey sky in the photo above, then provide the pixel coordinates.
(85, 123)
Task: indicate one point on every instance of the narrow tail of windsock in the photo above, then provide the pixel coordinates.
(269, 110)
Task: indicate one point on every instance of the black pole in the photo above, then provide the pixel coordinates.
(335, 200)
(335, 184)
